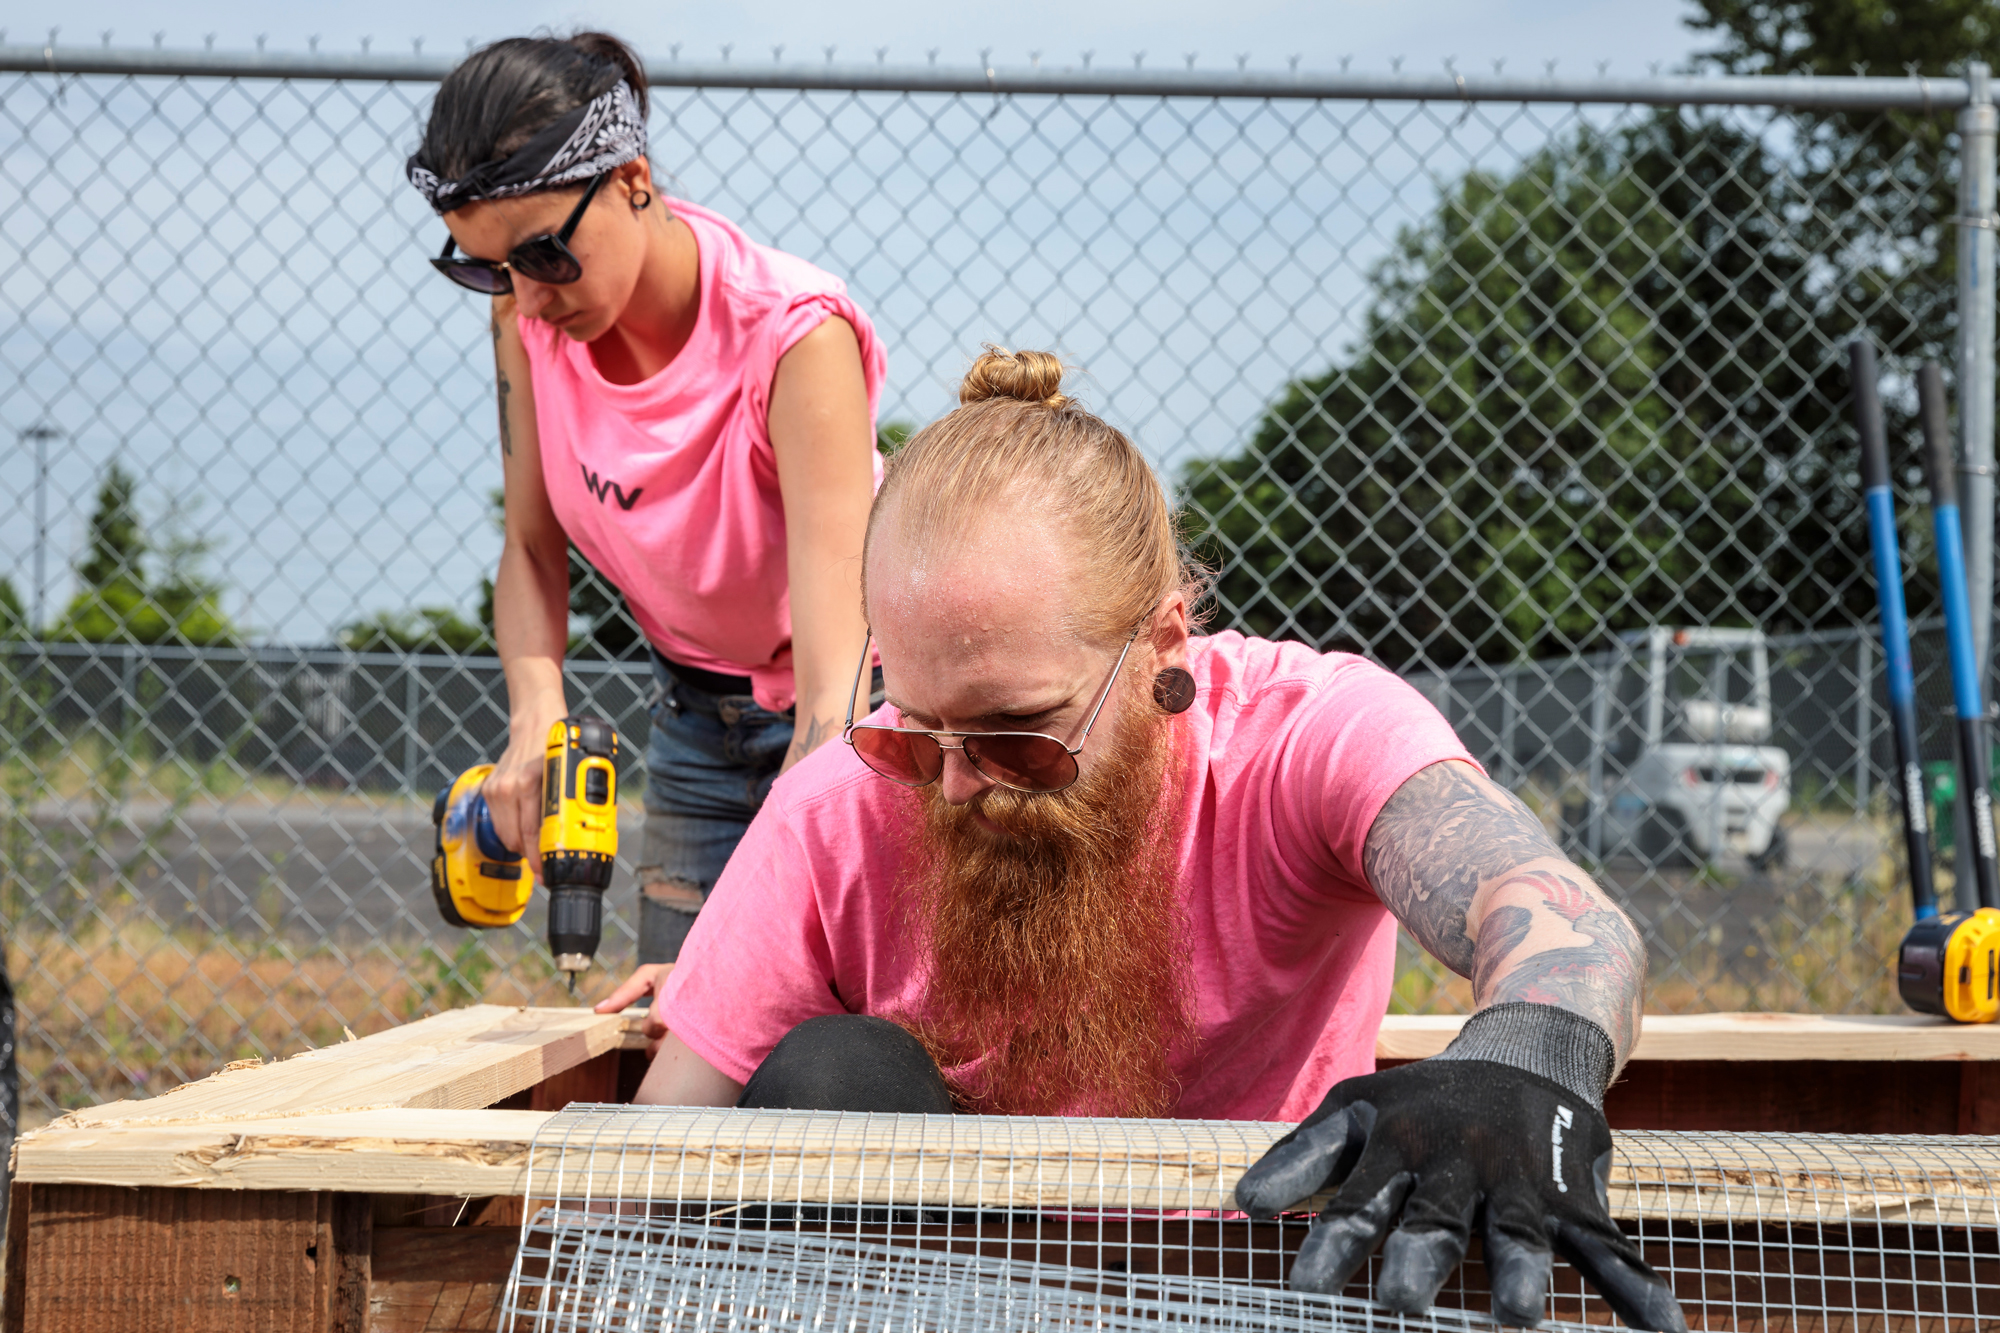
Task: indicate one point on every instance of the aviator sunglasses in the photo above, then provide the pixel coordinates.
(544, 258)
(1029, 761)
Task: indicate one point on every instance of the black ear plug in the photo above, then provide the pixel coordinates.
(1173, 690)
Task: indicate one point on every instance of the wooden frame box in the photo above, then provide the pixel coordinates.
(378, 1184)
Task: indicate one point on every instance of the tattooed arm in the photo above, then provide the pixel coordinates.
(1471, 873)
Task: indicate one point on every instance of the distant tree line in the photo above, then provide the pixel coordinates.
(1607, 389)
(131, 586)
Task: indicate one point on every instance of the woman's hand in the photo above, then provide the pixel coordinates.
(646, 983)
(514, 788)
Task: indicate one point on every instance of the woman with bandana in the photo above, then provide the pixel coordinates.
(692, 410)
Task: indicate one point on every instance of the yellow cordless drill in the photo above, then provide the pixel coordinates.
(479, 883)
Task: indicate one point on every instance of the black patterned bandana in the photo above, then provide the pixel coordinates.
(604, 133)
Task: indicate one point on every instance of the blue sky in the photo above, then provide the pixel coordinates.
(1631, 34)
(252, 328)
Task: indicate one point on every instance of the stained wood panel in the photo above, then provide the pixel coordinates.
(439, 1279)
(108, 1260)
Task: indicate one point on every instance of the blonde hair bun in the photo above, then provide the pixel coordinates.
(1030, 377)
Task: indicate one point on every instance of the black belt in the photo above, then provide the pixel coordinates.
(708, 682)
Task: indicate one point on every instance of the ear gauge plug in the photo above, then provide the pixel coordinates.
(1173, 690)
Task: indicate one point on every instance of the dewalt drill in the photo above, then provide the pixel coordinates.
(479, 883)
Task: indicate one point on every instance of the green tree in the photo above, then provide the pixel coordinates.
(1602, 392)
(1850, 161)
(117, 545)
(1845, 36)
(117, 602)
(13, 615)
(428, 629)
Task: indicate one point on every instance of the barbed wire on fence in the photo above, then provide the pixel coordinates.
(1487, 378)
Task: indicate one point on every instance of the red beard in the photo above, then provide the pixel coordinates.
(1060, 953)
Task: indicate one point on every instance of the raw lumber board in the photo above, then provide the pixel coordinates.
(962, 1161)
(1882, 1037)
(458, 1060)
(460, 1153)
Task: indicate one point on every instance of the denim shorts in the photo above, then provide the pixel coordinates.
(710, 762)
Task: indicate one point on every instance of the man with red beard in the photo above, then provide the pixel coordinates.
(1087, 862)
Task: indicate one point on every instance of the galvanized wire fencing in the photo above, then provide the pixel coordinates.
(1490, 379)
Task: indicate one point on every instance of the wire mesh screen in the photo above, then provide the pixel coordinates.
(692, 1219)
(1477, 388)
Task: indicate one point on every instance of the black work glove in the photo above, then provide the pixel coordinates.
(1504, 1130)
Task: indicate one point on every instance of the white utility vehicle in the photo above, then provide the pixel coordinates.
(1702, 783)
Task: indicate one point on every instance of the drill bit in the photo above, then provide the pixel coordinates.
(572, 985)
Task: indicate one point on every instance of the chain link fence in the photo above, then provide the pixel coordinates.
(1501, 384)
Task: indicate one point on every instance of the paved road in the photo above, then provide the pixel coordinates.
(342, 868)
(346, 869)
(1731, 918)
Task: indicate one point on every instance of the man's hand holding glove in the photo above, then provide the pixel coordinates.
(1503, 1130)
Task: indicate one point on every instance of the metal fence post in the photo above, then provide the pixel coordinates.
(411, 703)
(1976, 127)
(1599, 724)
(1864, 721)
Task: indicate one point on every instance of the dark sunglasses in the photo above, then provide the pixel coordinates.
(544, 258)
(1027, 761)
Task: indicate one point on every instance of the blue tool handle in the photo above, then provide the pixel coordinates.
(1881, 506)
(1901, 674)
(1973, 761)
(1957, 612)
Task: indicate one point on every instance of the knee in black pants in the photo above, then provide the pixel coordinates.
(848, 1062)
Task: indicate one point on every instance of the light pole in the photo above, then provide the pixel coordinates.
(41, 434)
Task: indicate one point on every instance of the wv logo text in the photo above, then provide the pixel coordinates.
(603, 486)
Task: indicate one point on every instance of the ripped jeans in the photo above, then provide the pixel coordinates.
(710, 763)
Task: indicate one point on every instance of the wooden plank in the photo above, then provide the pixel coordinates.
(1978, 1099)
(1882, 1037)
(964, 1161)
(172, 1261)
(439, 1279)
(348, 1247)
(1793, 1096)
(595, 1080)
(463, 1059)
(459, 1153)
(12, 1292)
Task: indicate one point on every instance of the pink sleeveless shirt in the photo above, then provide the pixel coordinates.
(669, 485)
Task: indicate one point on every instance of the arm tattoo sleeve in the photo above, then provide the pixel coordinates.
(1444, 831)
(1594, 969)
(1548, 933)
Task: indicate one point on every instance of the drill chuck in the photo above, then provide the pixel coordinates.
(576, 925)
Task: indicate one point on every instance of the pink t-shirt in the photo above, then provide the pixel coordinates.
(669, 485)
(1291, 755)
